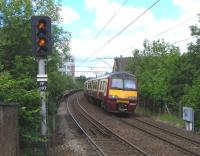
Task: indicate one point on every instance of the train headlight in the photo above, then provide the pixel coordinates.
(132, 98)
(113, 97)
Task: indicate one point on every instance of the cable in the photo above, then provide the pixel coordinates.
(112, 17)
(175, 26)
(107, 42)
(166, 30)
(105, 62)
(184, 40)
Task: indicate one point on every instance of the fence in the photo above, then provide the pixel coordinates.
(197, 120)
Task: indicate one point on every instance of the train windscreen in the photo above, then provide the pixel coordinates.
(123, 82)
(117, 83)
(129, 84)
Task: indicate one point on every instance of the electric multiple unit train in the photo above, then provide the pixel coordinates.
(116, 92)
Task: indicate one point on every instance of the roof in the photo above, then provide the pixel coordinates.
(111, 74)
(120, 63)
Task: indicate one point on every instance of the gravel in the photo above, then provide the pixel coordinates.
(69, 140)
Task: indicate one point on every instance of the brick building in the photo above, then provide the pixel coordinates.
(68, 67)
(120, 63)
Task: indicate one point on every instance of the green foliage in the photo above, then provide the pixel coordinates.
(192, 96)
(21, 92)
(154, 68)
(57, 84)
(18, 69)
(80, 81)
(166, 77)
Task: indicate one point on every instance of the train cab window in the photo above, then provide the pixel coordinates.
(117, 83)
(129, 84)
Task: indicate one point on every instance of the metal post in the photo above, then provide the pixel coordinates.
(43, 112)
(42, 82)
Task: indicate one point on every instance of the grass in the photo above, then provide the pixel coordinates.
(166, 118)
(171, 119)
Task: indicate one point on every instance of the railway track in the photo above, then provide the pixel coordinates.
(103, 139)
(183, 143)
(170, 131)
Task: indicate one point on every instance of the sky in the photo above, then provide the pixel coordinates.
(94, 52)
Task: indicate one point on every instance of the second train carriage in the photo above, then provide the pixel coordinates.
(116, 92)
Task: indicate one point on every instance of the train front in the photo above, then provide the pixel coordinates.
(122, 93)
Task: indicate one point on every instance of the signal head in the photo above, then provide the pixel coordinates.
(41, 35)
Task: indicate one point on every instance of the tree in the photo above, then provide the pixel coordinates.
(192, 87)
(154, 68)
(80, 81)
(18, 69)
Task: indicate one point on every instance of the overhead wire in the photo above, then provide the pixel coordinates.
(107, 42)
(175, 26)
(109, 21)
(183, 40)
(167, 30)
(112, 17)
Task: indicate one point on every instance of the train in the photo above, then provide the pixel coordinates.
(115, 92)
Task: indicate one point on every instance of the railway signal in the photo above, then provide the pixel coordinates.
(41, 35)
(41, 39)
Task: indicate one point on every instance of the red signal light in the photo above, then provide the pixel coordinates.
(42, 42)
(41, 24)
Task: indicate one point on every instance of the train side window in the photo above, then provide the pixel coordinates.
(101, 85)
(89, 85)
(103, 88)
(105, 84)
(95, 85)
(98, 85)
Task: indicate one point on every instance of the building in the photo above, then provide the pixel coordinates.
(68, 67)
(120, 63)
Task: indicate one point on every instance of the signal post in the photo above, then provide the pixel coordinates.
(41, 45)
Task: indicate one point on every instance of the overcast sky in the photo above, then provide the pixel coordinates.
(85, 18)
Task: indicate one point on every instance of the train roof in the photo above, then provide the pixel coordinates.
(110, 74)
